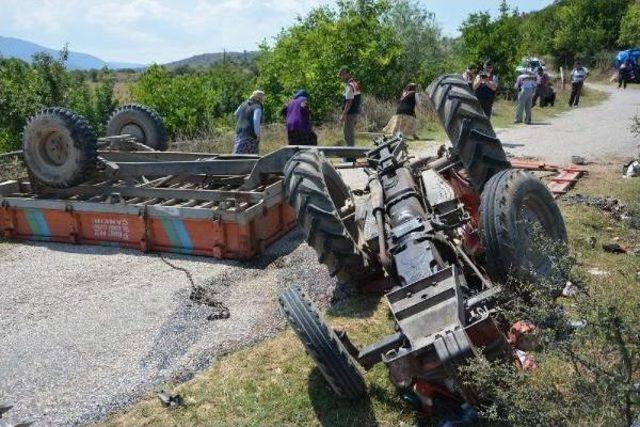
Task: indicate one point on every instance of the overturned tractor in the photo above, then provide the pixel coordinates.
(443, 233)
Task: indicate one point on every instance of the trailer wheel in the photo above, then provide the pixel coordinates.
(326, 214)
(468, 128)
(513, 205)
(141, 122)
(322, 344)
(60, 148)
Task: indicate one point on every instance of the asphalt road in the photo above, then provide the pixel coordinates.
(592, 132)
(86, 330)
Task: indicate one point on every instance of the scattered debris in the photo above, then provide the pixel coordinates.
(577, 324)
(170, 400)
(597, 272)
(208, 297)
(578, 160)
(614, 248)
(631, 170)
(522, 336)
(569, 290)
(617, 209)
(202, 295)
(5, 407)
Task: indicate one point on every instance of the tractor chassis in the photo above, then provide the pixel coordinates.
(439, 325)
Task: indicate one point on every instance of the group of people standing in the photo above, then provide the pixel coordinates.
(530, 86)
(297, 116)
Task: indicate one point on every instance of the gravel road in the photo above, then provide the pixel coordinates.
(86, 330)
(592, 132)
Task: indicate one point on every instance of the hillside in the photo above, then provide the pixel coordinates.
(206, 59)
(11, 47)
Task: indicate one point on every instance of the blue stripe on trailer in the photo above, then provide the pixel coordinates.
(38, 223)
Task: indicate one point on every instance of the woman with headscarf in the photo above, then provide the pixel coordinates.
(248, 121)
(298, 118)
(404, 120)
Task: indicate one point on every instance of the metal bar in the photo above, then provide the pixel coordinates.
(11, 154)
(149, 156)
(274, 163)
(205, 167)
(158, 193)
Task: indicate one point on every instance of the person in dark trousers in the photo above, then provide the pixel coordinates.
(542, 89)
(404, 121)
(485, 86)
(624, 73)
(248, 121)
(578, 76)
(351, 107)
(298, 119)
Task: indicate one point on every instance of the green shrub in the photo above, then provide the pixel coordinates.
(192, 102)
(25, 89)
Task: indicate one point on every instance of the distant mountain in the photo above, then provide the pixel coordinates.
(11, 47)
(206, 59)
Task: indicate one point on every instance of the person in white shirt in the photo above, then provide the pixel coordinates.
(526, 85)
(578, 76)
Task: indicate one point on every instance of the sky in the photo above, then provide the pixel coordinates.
(148, 31)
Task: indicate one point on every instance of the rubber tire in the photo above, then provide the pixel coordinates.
(468, 128)
(312, 187)
(322, 344)
(80, 141)
(149, 121)
(500, 213)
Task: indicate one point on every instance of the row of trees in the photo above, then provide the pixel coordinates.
(564, 31)
(25, 89)
(386, 43)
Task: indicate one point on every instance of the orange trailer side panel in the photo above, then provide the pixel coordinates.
(206, 237)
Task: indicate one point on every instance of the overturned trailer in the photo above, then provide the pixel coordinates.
(118, 191)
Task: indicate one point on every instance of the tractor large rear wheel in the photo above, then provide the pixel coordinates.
(326, 214)
(468, 128)
(520, 225)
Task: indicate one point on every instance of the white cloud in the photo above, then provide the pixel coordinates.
(149, 30)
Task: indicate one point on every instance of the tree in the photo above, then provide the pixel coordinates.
(586, 27)
(424, 53)
(498, 40)
(630, 27)
(310, 53)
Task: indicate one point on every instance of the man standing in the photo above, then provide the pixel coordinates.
(248, 120)
(351, 106)
(298, 118)
(624, 73)
(485, 85)
(543, 87)
(526, 86)
(578, 76)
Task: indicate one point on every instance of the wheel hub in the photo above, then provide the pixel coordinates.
(135, 131)
(56, 149)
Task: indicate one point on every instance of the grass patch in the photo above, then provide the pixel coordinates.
(275, 383)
